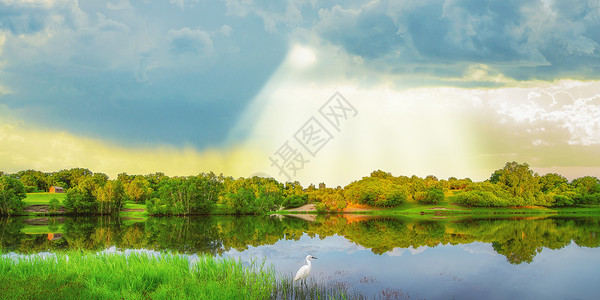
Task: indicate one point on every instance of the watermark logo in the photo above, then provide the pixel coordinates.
(312, 136)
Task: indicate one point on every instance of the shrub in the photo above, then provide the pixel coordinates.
(561, 201)
(294, 201)
(321, 207)
(432, 196)
(54, 205)
(12, 193)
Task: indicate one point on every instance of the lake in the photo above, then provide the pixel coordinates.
(547, 257)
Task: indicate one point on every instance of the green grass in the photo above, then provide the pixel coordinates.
(448, 207)
(76, 275)
(134, 214)
(43, 198)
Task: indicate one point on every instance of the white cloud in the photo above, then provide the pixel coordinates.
(226, 30)
(194, 41)
(272, 13)
(578, 110)
(119, 5)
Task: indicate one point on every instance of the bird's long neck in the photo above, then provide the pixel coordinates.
(308, 262)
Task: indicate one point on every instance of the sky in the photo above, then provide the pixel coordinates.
(307, 90)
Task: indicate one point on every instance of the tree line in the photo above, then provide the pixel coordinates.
(207, 193)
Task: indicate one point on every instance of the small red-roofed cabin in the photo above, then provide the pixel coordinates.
(56, 189)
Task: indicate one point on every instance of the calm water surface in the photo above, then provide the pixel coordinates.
(517, 258)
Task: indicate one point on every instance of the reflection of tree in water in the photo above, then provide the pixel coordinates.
(520, 240)
(11, 233)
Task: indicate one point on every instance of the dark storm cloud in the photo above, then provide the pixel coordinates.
(522, 39)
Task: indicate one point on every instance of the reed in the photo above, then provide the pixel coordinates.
(146, 274)
(76, 275)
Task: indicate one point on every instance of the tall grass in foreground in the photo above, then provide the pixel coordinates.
(138, 276)
(154, 275)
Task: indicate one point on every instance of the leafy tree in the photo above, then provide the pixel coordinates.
(81, 198)
(376, 191)
(34, 181)
(69, 178)
(138, 189)
(242, 201)
(12, 193)
(552, 182)
(517, 179)
(155, 179)
(587, 185)
(124, 178)
(110, 197)
(186, 195)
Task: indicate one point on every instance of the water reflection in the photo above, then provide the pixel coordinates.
(519, 240)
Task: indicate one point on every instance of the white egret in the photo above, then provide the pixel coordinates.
(304, 270)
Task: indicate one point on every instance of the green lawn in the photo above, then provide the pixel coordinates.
(43, 198)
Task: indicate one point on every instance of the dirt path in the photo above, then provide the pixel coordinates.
(43, 208)
(307, 207)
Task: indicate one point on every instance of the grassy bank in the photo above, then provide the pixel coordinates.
(448, 207)
(138, 276)
(43, 198)
(152, 275)
(41, 202)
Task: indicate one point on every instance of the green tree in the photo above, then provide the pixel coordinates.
(242, 201)
(34, 181)
(518, 180)
(587, 190)
(81, 199)
(138, 190)
(110, 197)
(12, 193)
(186, 195)
(552, 182)
(381, 191)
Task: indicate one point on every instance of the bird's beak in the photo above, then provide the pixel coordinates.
(314, 257)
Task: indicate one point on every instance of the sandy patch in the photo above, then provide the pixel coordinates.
(307, 207)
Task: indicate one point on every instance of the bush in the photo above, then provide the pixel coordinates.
(432, 196)
(294, 201)
(420, 196)
(590, 199)
(321, 207)
(154, 206)
(481, 199)
(54, 205)
(561, 201)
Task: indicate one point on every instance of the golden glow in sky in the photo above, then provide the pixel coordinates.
(436, 88)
